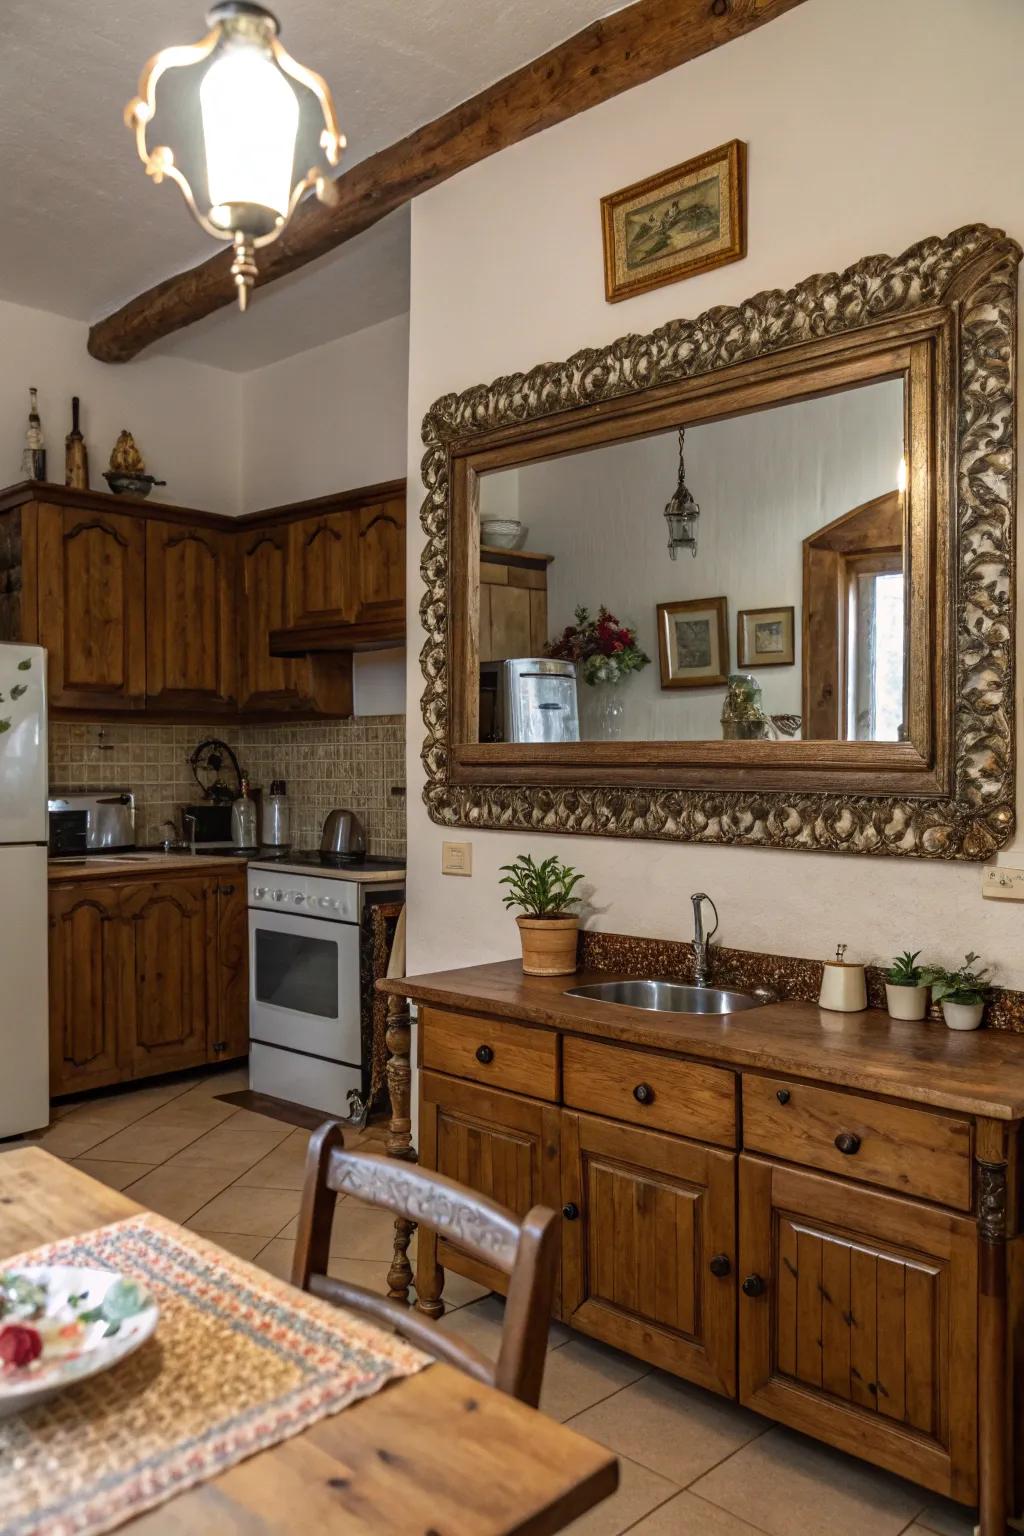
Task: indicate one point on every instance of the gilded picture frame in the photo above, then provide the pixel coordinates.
(960, 290)
(682, 221)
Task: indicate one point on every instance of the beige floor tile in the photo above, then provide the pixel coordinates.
(480, 1324)
(460, 1292)
(176, 1193)
(246, 1210)
(248, 1120)
(73, 1137)
(686, 1515)
(639, 1491)
(116, 1175)
(244, 1245)
(360, 1232)
(946, 1518)
(276, 1258)
(143, 1143)
(236, 1151)
(127, 1107)
(675, 1429)
(582, 1373)
(282, 1168)
(203, 1114)
(212, 1084)
(790, 1486)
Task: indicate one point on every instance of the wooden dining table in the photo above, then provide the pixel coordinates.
(434, 1454)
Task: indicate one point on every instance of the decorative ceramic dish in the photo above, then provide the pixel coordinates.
(61, 1324)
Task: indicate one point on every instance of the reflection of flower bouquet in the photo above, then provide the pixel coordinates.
(604, 650)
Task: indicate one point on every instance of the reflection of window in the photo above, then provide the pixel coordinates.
(875, 648)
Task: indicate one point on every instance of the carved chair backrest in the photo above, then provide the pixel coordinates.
(526, 1251)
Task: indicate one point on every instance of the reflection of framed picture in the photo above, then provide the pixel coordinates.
(683, 221)
(693, 642)
(764, 637)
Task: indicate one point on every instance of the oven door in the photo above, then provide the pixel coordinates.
(304, 985)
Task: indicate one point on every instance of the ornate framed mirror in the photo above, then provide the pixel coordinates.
(833, 667)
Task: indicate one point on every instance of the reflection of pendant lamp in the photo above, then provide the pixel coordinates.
(252, 129)
(682, 512)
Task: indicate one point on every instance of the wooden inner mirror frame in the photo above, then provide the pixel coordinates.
(942, 317)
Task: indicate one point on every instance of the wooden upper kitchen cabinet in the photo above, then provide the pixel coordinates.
(266, 594)
(191, 630)
(323, 575)
(380, 550)
(91, 588)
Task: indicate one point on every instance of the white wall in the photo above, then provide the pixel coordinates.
(764, 481)
(869, 127)
(185, 416)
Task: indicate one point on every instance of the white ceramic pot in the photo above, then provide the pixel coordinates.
(962, 1015)
(906, 1002)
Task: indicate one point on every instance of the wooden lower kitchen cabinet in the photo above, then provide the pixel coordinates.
(830, 1236)
(145, 978)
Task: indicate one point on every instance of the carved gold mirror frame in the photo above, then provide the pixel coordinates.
(943, 317)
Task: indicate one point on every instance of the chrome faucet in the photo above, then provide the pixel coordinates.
(701, 942)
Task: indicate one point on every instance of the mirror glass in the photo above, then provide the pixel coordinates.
(780, 616)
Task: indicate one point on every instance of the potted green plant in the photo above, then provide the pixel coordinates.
(961, 993)
(906, 987)
(547, 927)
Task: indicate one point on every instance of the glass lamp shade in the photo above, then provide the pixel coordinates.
(250, 123)
(681, 515)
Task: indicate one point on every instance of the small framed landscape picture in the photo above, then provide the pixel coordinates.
(683, 221)
(693, 642)
(765, 637)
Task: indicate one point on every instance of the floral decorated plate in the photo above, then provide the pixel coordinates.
(60, 1324)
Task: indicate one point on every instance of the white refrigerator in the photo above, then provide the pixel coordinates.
(24, 1014)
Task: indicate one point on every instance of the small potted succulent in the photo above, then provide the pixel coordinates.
(547, 927)
(906, 987)
(961, 993)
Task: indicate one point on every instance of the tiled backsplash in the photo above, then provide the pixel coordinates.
(351, 763)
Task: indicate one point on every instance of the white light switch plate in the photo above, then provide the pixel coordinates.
(456, 858)
(1002, 884)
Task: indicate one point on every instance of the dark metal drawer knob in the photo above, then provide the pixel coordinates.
(570, 1211)
(643, 1093)
(782, 1094)
(848, 1142)
(753, 1285)
(720, 1265)
(484, 1055)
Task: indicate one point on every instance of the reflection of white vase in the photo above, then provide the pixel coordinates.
(604, 712)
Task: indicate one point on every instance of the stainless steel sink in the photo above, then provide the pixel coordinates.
(669, 996)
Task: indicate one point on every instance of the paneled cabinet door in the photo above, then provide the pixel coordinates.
(92, 595)
(648, 1247)
(267, 681)
(858, 1322)
(229, 1009)
(191, 639)
(85, 987)
(322, 559)
(168, 926)
(380, 546)
(495, 1142)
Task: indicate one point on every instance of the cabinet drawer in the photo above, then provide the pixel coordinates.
(911, 1150)
(493, 1051)
(646, 1089)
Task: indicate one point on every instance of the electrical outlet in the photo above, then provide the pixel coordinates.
(456, 858)
(1002, 884)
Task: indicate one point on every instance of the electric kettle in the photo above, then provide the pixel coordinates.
(343, 840)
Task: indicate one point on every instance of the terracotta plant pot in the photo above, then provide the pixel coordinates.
(906, 1002)
(549, 945)
(962, 1015)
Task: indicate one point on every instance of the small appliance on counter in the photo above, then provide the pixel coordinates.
(843, 985)
(343, 840)
(528, 698)
(90, 821)
(207, 824)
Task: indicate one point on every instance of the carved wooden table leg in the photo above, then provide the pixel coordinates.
(399, 1144)
(993, 1384)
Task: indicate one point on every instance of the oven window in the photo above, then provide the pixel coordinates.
(298, 972)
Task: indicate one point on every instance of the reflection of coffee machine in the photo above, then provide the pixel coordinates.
(529, 698)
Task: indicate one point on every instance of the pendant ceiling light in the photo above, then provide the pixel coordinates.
(251, 108)
(682, 511)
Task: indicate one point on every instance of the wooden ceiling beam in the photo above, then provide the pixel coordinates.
(614, 54)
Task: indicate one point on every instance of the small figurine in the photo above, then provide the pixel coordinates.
(127, 473)
(744, 719)
(76, 456)
(33, 459)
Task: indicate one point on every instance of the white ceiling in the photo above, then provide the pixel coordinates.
(83, 229)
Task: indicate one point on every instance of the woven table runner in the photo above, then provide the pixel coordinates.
(239, 1362)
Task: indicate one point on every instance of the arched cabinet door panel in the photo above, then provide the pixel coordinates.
(381, 555)
(167, 983)
(85, 967)
(322, 553)
(266, 594)
(92, 596)
(191, 633)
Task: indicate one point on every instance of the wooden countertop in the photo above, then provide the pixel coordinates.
(141, 865)
(979, 1073)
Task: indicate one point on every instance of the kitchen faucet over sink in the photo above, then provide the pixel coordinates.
(701, 944)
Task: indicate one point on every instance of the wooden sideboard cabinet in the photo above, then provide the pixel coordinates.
(513, 603)
(145, 977)
(820, 1221)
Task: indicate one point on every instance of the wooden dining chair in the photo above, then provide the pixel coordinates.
(526, 1251)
